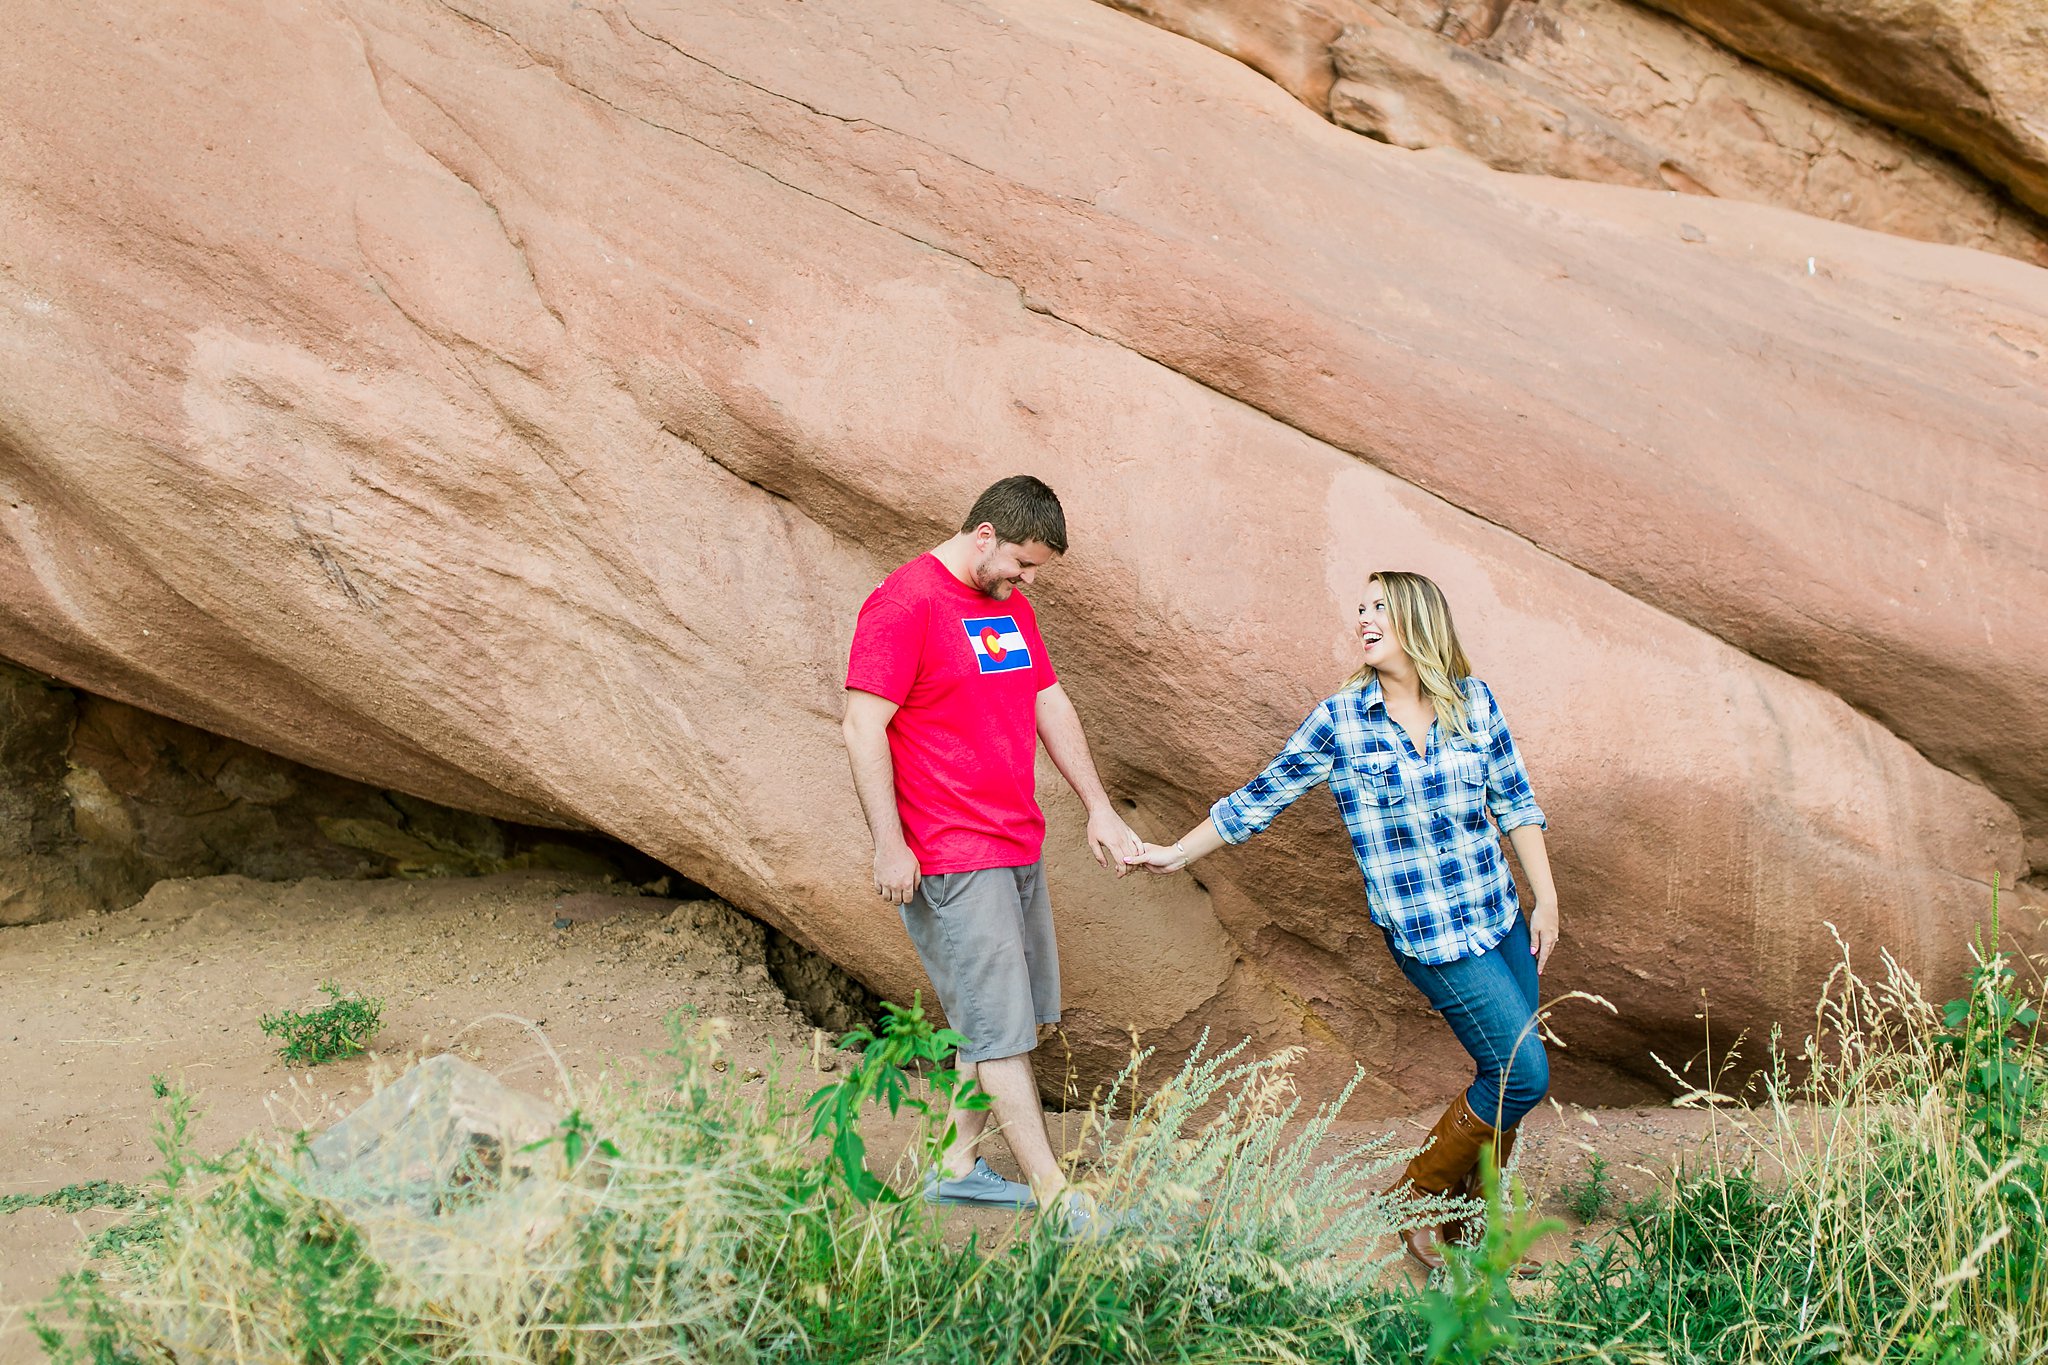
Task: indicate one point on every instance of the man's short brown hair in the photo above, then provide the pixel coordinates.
(1020, 509)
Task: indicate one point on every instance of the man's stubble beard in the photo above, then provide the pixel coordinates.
(987, 584)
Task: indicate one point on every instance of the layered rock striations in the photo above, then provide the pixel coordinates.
(1611, 91)
(1969, 75)
(512, 404)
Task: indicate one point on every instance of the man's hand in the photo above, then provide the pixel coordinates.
(1543, 932)
(1111, 840)
(896, 874)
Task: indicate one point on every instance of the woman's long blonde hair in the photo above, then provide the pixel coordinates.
(1422, 618)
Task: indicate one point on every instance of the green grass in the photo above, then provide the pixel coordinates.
(1900, 1217)
(1886, 1206)
(341, 1028)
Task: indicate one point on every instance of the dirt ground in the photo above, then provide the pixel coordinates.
(176, 985)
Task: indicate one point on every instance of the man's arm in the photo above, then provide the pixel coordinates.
(1059, 727)
(866, 728)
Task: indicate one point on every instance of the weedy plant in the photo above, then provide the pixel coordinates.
(883, 1074)
(117, 1240)
(1587, 1199)
(1240, 1241)
(577, 1138)
(1470, 1308)
(341, 1028)
(86, 1194)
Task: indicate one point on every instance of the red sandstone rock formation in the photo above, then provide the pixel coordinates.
(1970, 75)
(512, 404)
(1607, 90)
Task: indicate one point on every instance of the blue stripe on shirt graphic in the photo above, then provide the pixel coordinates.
(998, 645)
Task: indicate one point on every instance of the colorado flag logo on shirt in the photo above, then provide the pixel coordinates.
(998, 645)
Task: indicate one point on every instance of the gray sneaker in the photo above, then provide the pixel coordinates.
(979, 1186)
(1078, 1218)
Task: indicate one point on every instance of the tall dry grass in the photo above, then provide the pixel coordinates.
(695, 1220)
(1875, 1194)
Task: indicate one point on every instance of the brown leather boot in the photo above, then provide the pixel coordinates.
(1474, 1187)
(1440, 1168)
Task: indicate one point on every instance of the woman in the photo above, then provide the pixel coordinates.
(1418, 757)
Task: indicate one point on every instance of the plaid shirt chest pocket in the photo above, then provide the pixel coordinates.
(1464, 783)
(1379, 778)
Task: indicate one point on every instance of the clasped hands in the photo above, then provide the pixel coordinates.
(1114, 845)
(1112, 842)
(1159, 859)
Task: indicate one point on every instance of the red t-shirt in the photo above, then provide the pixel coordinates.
(965, 671)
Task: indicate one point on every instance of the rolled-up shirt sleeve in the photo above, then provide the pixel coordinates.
(1305, 762)
(1507, 782)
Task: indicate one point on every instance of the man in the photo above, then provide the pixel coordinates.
(949, 691)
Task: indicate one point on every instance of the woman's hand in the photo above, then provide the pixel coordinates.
(1542, 932)
(1160, 859)
(1156, 859)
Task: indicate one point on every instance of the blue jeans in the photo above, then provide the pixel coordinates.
(1490, 1002)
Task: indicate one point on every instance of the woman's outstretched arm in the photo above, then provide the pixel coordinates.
(1305, 762)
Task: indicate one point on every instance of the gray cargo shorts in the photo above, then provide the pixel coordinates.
(985, 939)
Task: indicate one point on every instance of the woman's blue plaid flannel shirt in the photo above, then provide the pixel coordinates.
(1434, 873)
